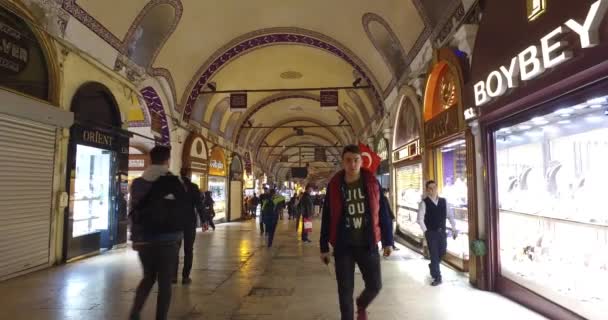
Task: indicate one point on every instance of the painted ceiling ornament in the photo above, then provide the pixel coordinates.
(447, 90)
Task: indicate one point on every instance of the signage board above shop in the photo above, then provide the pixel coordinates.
(564, 35)
(217, 162)
(23, 66)
(329, 100)
(238, 102)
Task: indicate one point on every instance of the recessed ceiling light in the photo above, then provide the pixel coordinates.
(564, 122)
(594, 119)
(540, 121)
(595, 106)
(525, 127)
(291, 75)
(597, 100)
(534, 133)
(579, 106)
(567, 111)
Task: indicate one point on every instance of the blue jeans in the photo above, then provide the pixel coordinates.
(437, 241)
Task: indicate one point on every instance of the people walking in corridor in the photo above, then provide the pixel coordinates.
(432, 215)
(271, 209)
(254, 202)
(195, 205)
(306, 208)
(354, 220)
(158, 210)
(208, 212)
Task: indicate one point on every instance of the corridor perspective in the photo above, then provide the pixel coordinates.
(443, 159)
(235, 277)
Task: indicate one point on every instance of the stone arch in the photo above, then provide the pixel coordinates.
(218, 113)
(157, 113)
(276, 98)
(267, 37)
(386, 43)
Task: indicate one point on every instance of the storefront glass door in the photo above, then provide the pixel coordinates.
(91, 193)
(553, 223)
(451, 175)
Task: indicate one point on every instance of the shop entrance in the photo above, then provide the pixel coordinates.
(97, 168)
(91, 194)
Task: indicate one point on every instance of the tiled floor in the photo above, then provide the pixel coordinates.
(236, 277)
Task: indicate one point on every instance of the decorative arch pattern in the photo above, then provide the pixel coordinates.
(156, 109)
(386, 43)
(272, 38)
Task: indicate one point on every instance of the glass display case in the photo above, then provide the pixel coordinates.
(451, 171)
(408, 190)
(217, 186)
(91, 190)
(553, 227)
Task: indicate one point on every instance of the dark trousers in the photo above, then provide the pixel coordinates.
(271, 228)
(304, 233)
(158, 262)
(369, 264)
(262, 225)
(438, 242)
(189, 237)
(253, 210)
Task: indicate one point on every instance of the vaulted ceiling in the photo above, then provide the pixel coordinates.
(270, 44)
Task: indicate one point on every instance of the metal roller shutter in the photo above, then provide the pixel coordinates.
(27, 152)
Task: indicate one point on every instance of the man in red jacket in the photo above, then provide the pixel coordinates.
(354, 220)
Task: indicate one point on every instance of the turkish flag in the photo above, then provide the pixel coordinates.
(371, 160)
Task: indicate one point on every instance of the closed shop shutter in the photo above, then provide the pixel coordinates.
(27, 151)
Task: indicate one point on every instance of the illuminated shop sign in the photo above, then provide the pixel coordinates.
(535, 59)
(97, 137)
(217, 162)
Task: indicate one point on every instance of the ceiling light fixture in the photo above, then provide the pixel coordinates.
(597, 100)
(579, 106)
(357, 82)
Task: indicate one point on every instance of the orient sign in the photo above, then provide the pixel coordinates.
(536, 59)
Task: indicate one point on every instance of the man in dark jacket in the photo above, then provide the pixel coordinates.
(354, 220)
(156, 243)
(306, 207)
(195, 204)
(272, 206)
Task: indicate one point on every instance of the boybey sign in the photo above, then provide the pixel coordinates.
(533, 61)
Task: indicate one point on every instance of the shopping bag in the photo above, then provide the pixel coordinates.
(307, 225)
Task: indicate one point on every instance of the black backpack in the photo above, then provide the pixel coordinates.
(164, 209)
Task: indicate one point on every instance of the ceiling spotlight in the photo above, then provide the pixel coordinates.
(356, 82)
(211, 86)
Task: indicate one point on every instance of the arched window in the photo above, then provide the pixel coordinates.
(386, 42)
(200, 107)
(150, 31)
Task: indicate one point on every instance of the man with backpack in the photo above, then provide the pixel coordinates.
(158, 209)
